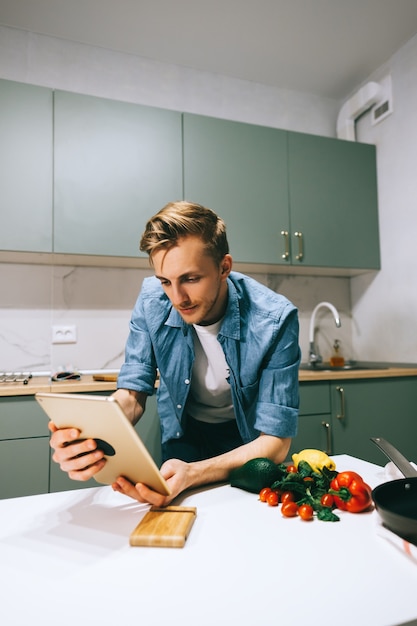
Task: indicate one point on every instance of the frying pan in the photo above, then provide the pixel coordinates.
(396, 501)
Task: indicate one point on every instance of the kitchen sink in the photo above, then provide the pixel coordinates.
(347, 367)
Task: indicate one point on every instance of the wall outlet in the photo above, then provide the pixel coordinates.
(64, 334)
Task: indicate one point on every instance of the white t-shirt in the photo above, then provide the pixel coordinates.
(210, 398)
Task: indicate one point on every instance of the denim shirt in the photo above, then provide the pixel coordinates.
(259, 337)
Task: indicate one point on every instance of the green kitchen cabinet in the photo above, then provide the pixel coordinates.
(115, 165)
(314, 424)
(24, 447)
(148, 429)
(383, 407)
(240, 171)
(26, 167)
(287, 198)
(334, 204)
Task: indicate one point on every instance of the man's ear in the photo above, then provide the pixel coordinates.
(226, 265)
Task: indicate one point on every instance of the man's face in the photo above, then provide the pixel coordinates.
(195, 285)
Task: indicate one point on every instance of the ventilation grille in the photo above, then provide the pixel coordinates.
(384, 106)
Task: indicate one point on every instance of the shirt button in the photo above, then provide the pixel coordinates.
(187, 381)
(178, 406)
(178, 434)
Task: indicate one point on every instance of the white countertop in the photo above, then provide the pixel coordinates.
(65, 559)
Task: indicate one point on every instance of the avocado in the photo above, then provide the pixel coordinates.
(255, 474)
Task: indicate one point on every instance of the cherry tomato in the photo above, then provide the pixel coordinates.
(264, 493)
(291, 469)
(327, 500)
(306, 512)
(272, 498)
(289, 509)
(287, 496)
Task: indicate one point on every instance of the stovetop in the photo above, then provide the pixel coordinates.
(15, 377)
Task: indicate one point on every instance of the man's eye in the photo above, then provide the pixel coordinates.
(165, 283)
(192, 279)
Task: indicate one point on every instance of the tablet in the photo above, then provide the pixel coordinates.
(102, 418)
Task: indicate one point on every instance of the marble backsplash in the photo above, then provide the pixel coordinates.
(98, 302)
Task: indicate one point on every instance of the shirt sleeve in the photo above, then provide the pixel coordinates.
(139, 369)
(278, 397)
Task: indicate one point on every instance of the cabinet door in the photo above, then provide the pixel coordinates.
(24, 447)
(333, 197)
(21, 417)
(375, 408)
(240, 171)
(24, 467)
(116, 164)
(26, 167)
(314, 424)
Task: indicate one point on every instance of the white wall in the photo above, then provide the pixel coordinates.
(384, 307)
(66, 294)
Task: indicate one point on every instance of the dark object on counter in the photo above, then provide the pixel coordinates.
(59, 376)
(396, 500)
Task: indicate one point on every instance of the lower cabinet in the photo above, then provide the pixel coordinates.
(341, 417)
(26, 465)
(337, 417)
(314, 424)
(24, 447)
(383, 407)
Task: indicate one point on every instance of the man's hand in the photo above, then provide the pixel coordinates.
(180, 475)
(80, 459)
(176, 473)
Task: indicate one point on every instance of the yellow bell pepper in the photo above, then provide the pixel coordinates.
(315, 458)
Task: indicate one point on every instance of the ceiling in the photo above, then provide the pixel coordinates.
(325, 47)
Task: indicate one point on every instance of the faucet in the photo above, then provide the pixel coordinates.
(314, 356)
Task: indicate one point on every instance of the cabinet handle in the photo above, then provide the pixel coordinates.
(286, 254)
(300, 254)
(329, 438)
(341, 415)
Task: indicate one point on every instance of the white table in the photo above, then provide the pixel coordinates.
(65, 560)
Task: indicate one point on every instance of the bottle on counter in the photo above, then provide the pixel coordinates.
(337, 359)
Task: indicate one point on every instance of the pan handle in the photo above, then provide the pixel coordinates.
(395, 456)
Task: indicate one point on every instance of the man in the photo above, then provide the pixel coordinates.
(227, 353)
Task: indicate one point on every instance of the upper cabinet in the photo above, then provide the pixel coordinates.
(301, 201)
(81, 175)
(26, 167)
(240, 171)
(334, 204)
(116, 164)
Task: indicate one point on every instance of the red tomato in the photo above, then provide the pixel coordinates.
(289, 509)
(287, 496)
(291, 469)
(306, 512)
(272, 498)
(327, 500)
(264, 493)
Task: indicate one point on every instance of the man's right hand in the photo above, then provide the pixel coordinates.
(80, 459)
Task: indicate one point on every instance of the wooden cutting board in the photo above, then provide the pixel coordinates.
(166, 527)
(108, 378)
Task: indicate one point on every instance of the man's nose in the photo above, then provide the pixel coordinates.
(178, 294)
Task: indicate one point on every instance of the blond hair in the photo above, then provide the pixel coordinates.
(181, 219)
